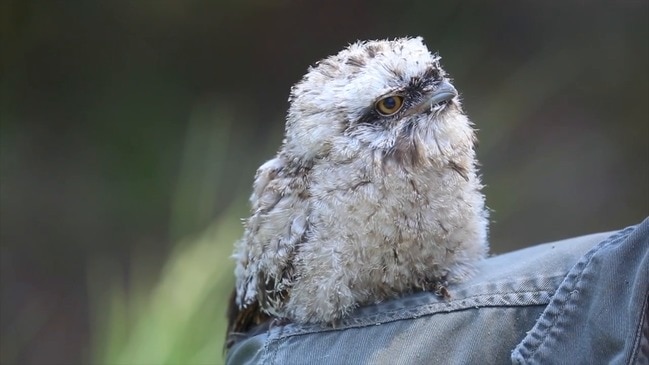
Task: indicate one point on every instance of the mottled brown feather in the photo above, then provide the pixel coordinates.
(241, 321)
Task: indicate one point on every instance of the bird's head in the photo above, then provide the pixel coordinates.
(390, 96)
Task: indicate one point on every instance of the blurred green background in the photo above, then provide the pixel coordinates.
(131, 131)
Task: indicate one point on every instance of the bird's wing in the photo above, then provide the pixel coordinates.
(274, 232)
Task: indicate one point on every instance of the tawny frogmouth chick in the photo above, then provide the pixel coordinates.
(373, 194)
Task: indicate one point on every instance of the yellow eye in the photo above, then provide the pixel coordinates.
(389, 105)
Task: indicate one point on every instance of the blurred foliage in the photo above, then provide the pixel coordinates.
(175, 316)
(130, 132)
(180, 320)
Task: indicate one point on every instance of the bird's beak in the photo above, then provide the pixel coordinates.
(444, 92)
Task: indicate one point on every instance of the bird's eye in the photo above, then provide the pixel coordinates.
(389, 105)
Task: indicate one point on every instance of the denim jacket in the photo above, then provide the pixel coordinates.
(578, 301)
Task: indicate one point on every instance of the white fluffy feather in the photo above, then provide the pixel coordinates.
(352, 212)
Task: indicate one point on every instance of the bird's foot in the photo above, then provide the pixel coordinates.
(440, 289)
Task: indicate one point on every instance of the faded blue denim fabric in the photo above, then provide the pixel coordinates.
(599, 313)
(577, 301)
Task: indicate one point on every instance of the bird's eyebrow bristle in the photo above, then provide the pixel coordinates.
(432, 72)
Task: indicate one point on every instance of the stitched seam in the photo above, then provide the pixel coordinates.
(545, 297)
(270, 356)
(638, 333)
(614, 239)
(460, 304)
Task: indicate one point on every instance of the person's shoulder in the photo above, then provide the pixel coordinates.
(482, 321)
